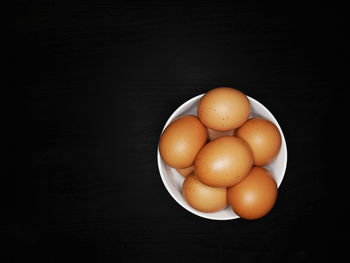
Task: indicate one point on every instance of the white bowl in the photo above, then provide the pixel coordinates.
(173, 180)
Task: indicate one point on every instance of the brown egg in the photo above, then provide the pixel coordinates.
(223, 109)
(263, 138)
(202, 197)
(212, 134)
(181, 141)
(185, 171)
(254, 196)
(223, 162)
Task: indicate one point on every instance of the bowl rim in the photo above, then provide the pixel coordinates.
(159, 159)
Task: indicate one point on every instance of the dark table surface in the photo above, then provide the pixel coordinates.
(101, 79)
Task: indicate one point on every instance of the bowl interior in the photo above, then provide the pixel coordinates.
(173, 180)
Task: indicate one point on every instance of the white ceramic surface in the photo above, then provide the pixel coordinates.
(173, 180)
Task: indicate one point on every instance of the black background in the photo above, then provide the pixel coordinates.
(101, 79)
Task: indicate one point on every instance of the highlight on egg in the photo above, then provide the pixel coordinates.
(203, 197)
(223, 162)
(223, 109)
(264, 139)
(181, 141)
(253, 197)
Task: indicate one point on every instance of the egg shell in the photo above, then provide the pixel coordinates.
(212, 134)
(223, 109)
(263, 138)
(202, 197)
(254, 196)
(185, 171)
(181, 141)
(223, 162)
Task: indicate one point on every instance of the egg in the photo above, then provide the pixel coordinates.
(185, 171)
(223, 162)
(181, 141)
(223, 109)
(212, 134)
(263, 138)
(202, 197)
(254, 196)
